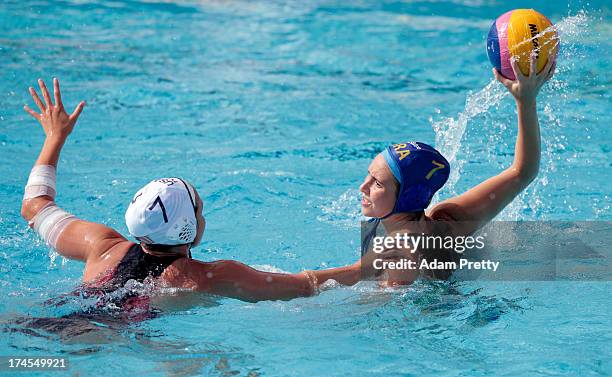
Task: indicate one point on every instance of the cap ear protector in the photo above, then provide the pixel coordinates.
(420, 170)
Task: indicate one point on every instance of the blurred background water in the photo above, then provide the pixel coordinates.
(274, 110)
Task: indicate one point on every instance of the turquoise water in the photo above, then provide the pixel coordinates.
(274, 110)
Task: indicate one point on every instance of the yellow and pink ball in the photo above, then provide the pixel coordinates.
(517, 34)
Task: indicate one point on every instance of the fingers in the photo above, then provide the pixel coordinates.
(506, 82)
(516, 69)
(45, 93)
(548, 66)
(77, 111)
(37, 100)
(533, 64)
(546, 73)
(551, 71)
(33, 113)
(57, 94)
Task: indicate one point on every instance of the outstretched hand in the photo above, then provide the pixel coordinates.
(525, 88)
(53, 117)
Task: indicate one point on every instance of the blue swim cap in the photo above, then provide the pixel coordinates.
(421, 171)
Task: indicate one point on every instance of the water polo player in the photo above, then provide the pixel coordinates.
(403, 178)
(165, 216)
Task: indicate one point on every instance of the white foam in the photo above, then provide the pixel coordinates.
(345, 211)
(269, 268)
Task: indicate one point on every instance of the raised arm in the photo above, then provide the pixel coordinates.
(484, 201)
(71, 237)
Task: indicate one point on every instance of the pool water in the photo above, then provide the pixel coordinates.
(274, 110)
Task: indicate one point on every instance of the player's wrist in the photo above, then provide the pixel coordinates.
(55, 139)
(313, 282)
(526, 103)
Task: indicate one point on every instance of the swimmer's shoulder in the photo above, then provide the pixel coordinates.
(198, 275)
(106, 259)
(449, 218)
(446, 211)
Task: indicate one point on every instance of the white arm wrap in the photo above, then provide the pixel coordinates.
(41, 182)
(50, 222)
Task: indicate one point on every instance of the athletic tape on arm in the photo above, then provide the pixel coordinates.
(50, 222)
(41, 182)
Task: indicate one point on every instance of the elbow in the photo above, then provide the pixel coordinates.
(26, 210)
(530, 176)
(525, 175)
(31, 207)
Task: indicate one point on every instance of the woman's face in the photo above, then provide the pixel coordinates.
(200, 219)
(379, 189)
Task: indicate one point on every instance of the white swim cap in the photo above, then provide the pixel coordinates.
(163, 212)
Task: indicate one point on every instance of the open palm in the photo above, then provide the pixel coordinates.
(53, 117)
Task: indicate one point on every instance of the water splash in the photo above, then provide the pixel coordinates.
(450, 131)
(344, 211)
(269, 268)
